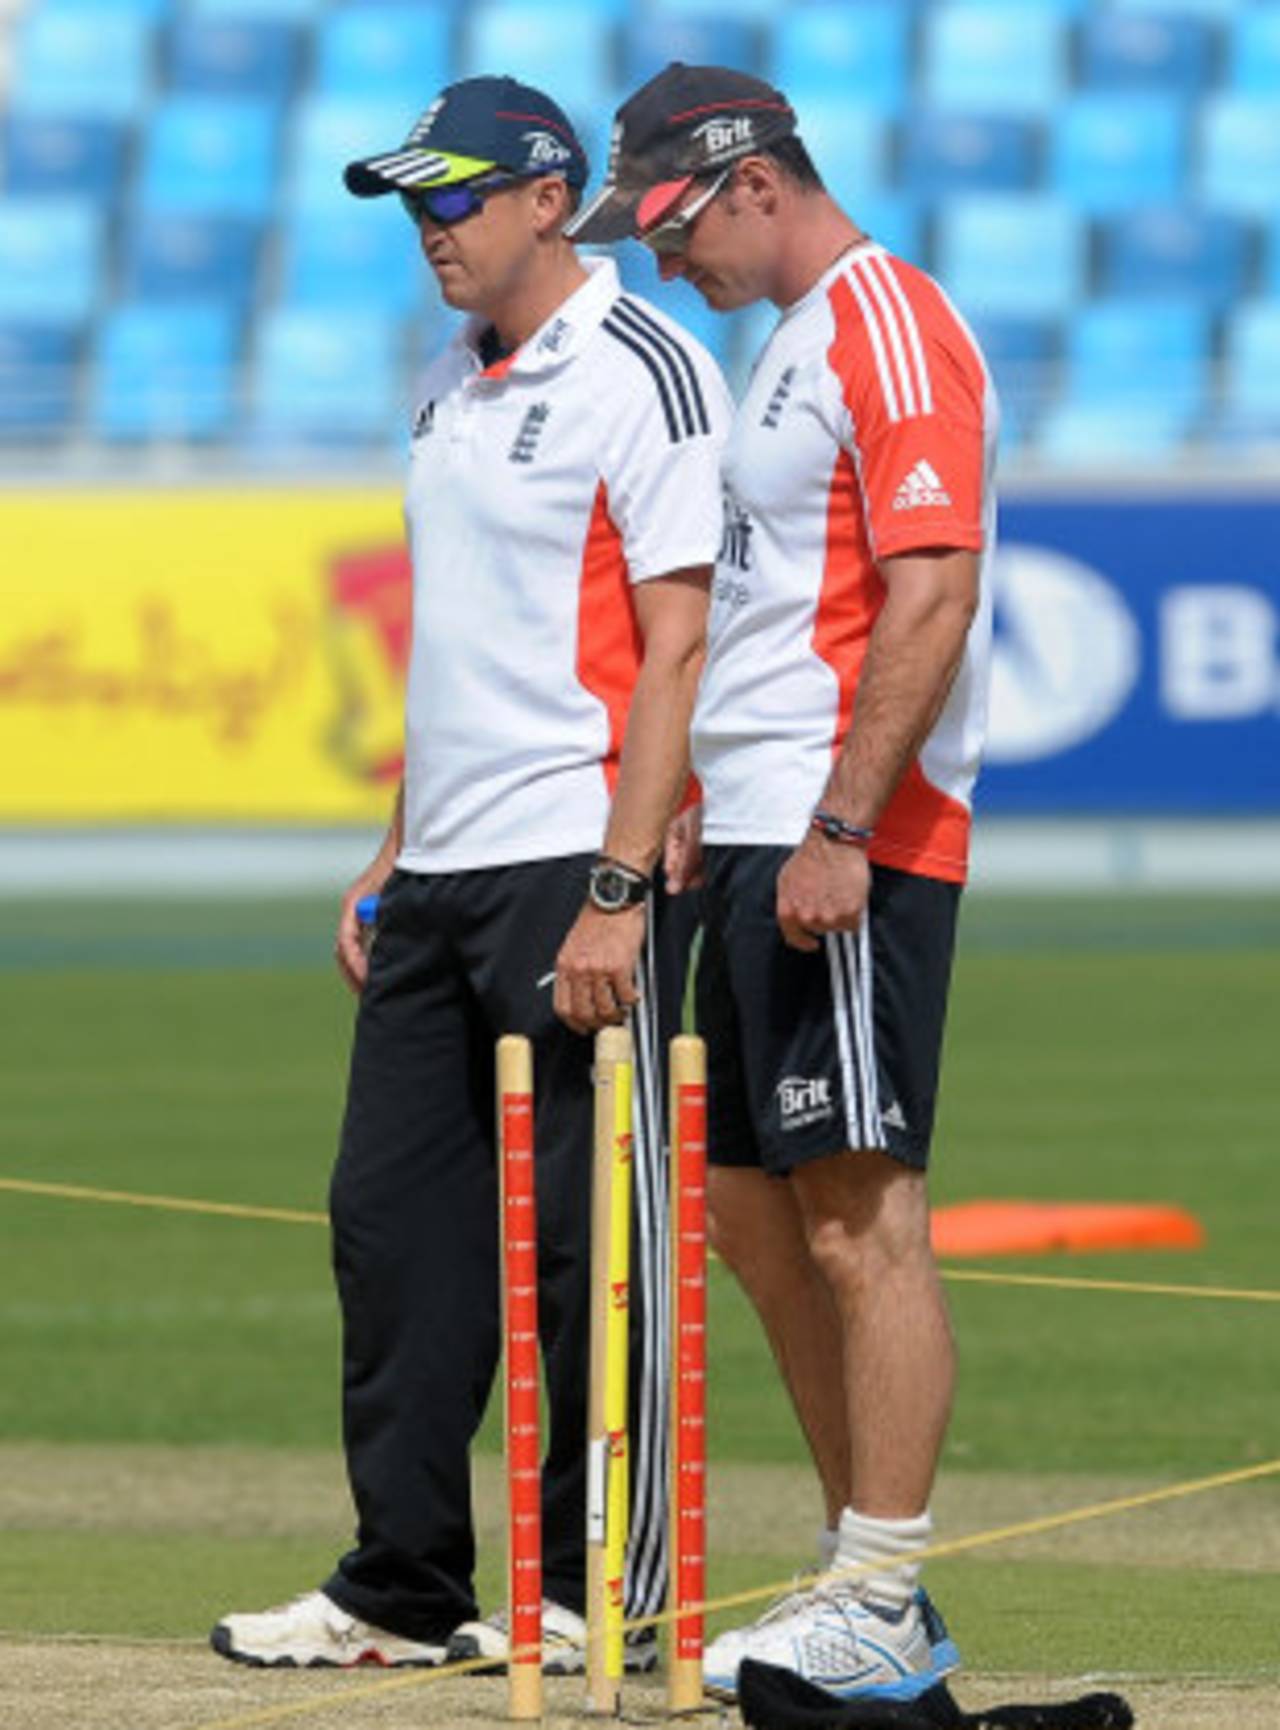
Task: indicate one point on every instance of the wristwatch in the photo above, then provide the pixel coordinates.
(614, 886)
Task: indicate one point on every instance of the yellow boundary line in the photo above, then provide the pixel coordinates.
(297, 1216)
(952, 1547)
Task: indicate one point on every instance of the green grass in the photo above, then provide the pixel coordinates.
(1111, 1050)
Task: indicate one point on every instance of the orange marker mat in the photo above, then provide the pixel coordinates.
(977, 1228)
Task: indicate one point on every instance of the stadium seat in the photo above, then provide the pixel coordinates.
(368, 50)
(38, 365)
(1255, 52)
(1102, 438)
(572, 60)
(83, 60)
(754, 11)
(832, 49)
(1111, 151)
(999, 58)
(849, 146)
(1141, 356)
(166, 372)
(1021, 355)
(1252, 392)
(1175, 250)
(234, 56)
(648, 43)
(947, 153)
(367, 257)
(896, 222)
(1239, 167)
(43, 153)
(174, 256)
(50, 259)
(317, 380)
(1134, 51)
(329, 132)
(1219, 10)
(213, 155)
(302, 11)
(1012, 254)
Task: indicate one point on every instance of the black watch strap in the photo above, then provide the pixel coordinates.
(612, 886)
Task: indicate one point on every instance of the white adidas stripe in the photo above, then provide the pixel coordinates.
(925, 389)
(895, 335)
(877, 346)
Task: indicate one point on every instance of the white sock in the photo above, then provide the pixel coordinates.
(828, 1543)
(889, 1545)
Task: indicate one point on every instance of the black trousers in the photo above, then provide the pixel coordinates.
(458, 959)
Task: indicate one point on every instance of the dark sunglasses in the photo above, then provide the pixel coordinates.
(670, 236)
(447, 204)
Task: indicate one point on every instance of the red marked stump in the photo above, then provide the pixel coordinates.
(520, 1342)
(688, 1547)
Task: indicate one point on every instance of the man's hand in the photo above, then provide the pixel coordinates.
(348, 949)
(822, 887)
(682, 853)
(595, 969)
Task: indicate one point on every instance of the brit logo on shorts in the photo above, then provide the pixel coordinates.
(803, 1100)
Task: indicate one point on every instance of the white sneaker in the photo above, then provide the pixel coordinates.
(836, 1639)
(564, 1643)
(311, 1632)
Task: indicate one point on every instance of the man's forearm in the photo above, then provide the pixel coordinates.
(654, 767)
(913, 654)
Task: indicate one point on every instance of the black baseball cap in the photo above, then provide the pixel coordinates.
(685, 122)
(474, 127)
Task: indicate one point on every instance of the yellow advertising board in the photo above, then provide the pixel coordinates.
(201, 655)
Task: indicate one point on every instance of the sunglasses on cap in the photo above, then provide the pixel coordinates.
(670, 236)
(448, 204)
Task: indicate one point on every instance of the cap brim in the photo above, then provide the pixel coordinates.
(409, 169)
(611, 215)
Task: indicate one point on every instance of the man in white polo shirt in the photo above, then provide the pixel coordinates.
(836, 736)
(563, 510)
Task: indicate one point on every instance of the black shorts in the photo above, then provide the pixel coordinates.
(809, 1054)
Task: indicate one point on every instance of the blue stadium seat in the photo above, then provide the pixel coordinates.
(1101, 437)
(175, 256)
(365, 258)
(1111, 151)
(1004, 57)
(896, 222)
(379, 51)
(947, 153)
(38, 366)
(1175, 250)
(1021, 354)
(84, 60)
(571, 59)
(234, 56)
(304, 11)
(50, 259)
(211, 154)
(1252, 393)
(1142, 356)
(755, 11)
(1214, 10)
(649, 43)
(1134, 51)
(833, 49)
(849, 146)
(1271, 261)
(44, 153)
(317, 380)
(1013, 254)
(1255, 52)
(1239, 166)
(166, 372)
(329, 132)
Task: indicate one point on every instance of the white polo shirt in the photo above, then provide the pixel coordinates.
(540, 490)
(868, 429)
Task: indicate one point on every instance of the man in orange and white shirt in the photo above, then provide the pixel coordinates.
(563, 508)
(837, 735)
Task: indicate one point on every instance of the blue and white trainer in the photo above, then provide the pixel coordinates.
(835, 1638)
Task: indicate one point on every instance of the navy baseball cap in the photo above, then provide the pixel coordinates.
(474, 127)
(685, 122)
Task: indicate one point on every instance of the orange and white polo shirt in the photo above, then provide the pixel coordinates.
(868, 429)
(540, 490)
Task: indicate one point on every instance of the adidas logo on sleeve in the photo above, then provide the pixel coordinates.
(922, 487)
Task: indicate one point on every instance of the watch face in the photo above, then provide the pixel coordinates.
(608, 889)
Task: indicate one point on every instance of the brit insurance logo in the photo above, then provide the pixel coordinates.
(545, 148)
(1065, 658)
(717, 136)
(803, 1100)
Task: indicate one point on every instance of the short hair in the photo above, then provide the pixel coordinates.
(795, 162)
